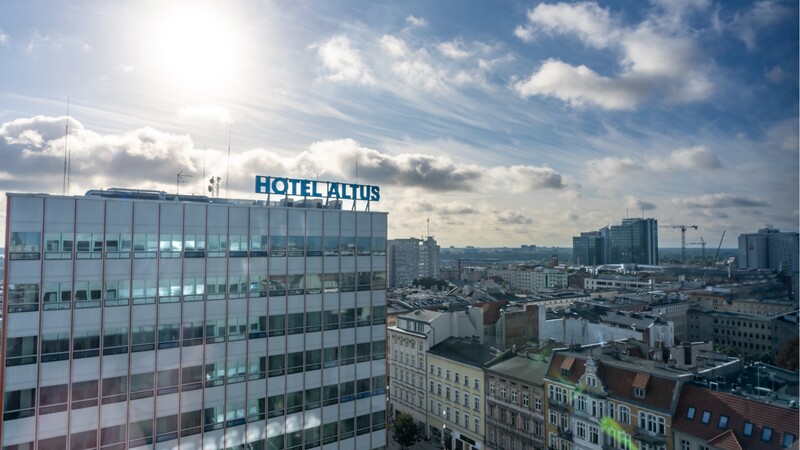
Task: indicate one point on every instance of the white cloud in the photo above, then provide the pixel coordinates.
(637, 204)
(416, 21)
(4, 37)
(207, 113)
(762, 15)
(518, 179)
(591, 23)
(776, 74)
(698, 157)
(610, 169)
(453, 49)
(126, 68)
(718, 200)
(653, 60)
(579, 86)
(342, 62)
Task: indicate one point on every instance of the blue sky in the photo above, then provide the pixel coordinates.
(504, 123)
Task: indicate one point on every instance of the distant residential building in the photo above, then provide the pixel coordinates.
(635, 241)
(748, 333)
(515, 414)
(412, 258)
(773, 249)
(518, 324)
(586, 327)
(617, 282)
(530, 279)
(674, 312)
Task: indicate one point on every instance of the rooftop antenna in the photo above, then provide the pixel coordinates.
(65, 179)
(179, 179)
(228, 162)
(429, 227)
(354, 194)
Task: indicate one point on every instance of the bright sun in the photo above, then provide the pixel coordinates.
(197, 48)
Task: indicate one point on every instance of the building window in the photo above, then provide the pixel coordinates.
(624, 414)
(525, 400)
(788, 439)
(706, 417)
(748, 429)
(477, 384)
(491, 389)
(580, 430)
(513, 396)
(537, 404)
(503, 392)
(723, 422)
(638, 392)
(766, 434)
(691, 412)
(594, 435)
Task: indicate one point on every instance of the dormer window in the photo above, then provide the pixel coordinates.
(640, 384)
(591, 381)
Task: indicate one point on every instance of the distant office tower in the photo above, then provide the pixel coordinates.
(773, 249)
(590, 248)
(412, 258)
(635, 241)
(770, 248)
(138, 319)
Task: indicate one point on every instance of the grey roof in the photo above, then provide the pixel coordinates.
(462, 350)
(522, 368)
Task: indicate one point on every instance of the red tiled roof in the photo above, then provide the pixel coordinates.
(727, 441)
(738, 410)
(641, 380)
(568, 362)
(620, 381)
(554, 371)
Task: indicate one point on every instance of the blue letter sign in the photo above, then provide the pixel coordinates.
(318, 189)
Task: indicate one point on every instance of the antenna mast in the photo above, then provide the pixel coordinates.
(228, 162)
(65, 180)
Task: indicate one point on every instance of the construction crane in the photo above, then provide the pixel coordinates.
(714, 264)
(683, 238)
(702, 244)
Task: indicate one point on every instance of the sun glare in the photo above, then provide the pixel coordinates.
(197, 48)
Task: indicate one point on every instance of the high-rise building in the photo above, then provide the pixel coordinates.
(137, 319)
(635, 241)
(589, 249)
(412, 258)
(773, 249)
(770, 248)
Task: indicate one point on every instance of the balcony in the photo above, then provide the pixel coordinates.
(565, 434)
(650, 437)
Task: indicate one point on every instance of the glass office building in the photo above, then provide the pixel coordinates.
(139, 319)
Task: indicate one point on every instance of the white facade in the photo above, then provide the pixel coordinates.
(142, 323)
(532, 279)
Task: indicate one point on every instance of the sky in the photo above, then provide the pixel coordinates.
(495, 123)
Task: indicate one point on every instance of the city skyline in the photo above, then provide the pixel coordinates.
(504, 124)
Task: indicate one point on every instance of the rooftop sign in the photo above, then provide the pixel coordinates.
(317, 189)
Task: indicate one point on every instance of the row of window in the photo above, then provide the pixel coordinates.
(438, 371)
(51, 399)
(23, 297)
(747, 428)
(443, 411)
(168, 428)
(56, 346)
(457, 396)
(27, 245)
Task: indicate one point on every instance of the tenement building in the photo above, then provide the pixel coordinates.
(138, 319)
(515, 414)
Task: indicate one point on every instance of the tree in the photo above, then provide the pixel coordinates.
(405, 430)
(787, 356)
